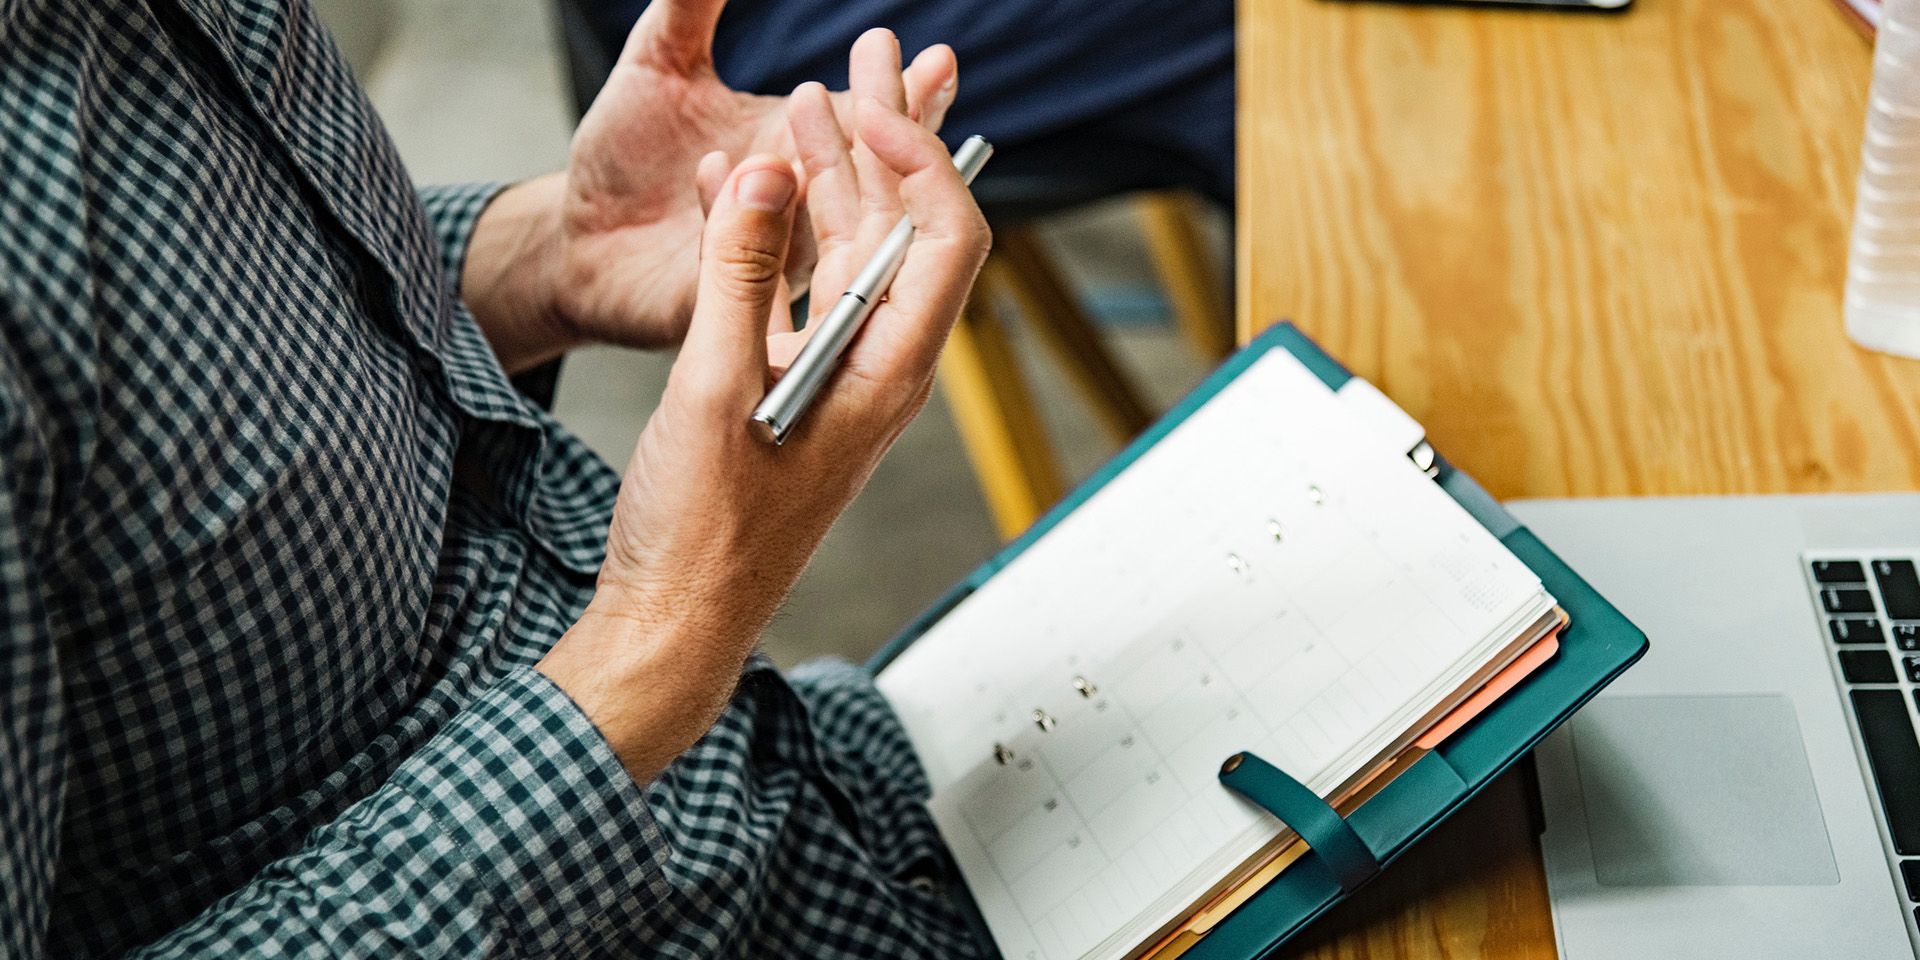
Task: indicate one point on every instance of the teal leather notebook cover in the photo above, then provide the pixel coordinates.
(1598, 645)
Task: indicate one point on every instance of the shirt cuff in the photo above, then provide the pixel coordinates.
(452, 210)
(557, 835)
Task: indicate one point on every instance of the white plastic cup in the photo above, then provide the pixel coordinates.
(1882, 302)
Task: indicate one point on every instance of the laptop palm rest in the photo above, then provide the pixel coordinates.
(1739, 675)
(1699, 791)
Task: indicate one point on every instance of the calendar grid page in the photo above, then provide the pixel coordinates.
(1266, 578)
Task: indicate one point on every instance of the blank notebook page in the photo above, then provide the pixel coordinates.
(1268, 577)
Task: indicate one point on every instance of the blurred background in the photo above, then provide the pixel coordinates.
(475, 90)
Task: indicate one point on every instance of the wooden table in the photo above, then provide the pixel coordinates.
(1595, 255)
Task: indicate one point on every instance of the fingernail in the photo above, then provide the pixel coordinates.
(766, 189)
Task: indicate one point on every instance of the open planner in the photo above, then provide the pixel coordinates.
(1268, 572)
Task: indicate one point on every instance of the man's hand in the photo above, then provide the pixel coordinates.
(606, 251)
(712, 526)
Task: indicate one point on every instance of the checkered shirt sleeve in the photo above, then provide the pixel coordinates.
(452, 212)
(280, 546)
(32, 714)
(513, 832)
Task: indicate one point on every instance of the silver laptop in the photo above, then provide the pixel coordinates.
(1751, 789)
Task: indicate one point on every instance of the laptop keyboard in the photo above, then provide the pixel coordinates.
(1872, 609)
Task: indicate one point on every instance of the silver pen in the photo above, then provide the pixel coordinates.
(783, 405)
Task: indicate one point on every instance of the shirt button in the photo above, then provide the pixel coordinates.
(923, 883)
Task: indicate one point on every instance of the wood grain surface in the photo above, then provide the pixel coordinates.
(1595, 255)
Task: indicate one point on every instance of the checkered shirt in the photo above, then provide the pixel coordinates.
(265, 666)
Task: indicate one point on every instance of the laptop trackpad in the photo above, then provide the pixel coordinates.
(1699, 791)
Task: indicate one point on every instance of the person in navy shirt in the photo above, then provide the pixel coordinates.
(1155, 75)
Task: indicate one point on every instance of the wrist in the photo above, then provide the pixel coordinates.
(652, 684)
(509, 279)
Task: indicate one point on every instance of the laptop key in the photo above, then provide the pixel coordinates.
(1912, 665)
(1907, 635)
(1899, 588)
(1857, 631)
(1868, 666)
(1839, 571)
(1886, 731)
(1910, 872)
(1847, 601)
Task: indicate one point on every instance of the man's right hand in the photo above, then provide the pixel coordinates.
(712, 526)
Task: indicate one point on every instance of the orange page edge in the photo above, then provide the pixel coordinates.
(1203, 920)
(1502, 683)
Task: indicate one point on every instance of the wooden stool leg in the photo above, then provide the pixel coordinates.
(1053, 313)
(1170, 224)
(995, 414)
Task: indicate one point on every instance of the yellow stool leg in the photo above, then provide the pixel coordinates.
(1021, 265)
(995, 414)
(1170, 224)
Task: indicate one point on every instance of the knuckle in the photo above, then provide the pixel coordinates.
(967, 231)
(749, 264)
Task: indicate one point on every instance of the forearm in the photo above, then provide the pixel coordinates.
(507, 279)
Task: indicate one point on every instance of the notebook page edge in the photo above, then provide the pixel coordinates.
(898, 681)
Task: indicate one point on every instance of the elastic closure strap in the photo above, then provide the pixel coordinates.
(1322, 827)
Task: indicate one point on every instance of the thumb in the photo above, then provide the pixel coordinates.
(743, 257)
(675, 34)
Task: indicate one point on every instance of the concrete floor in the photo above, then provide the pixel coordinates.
(472, 90)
